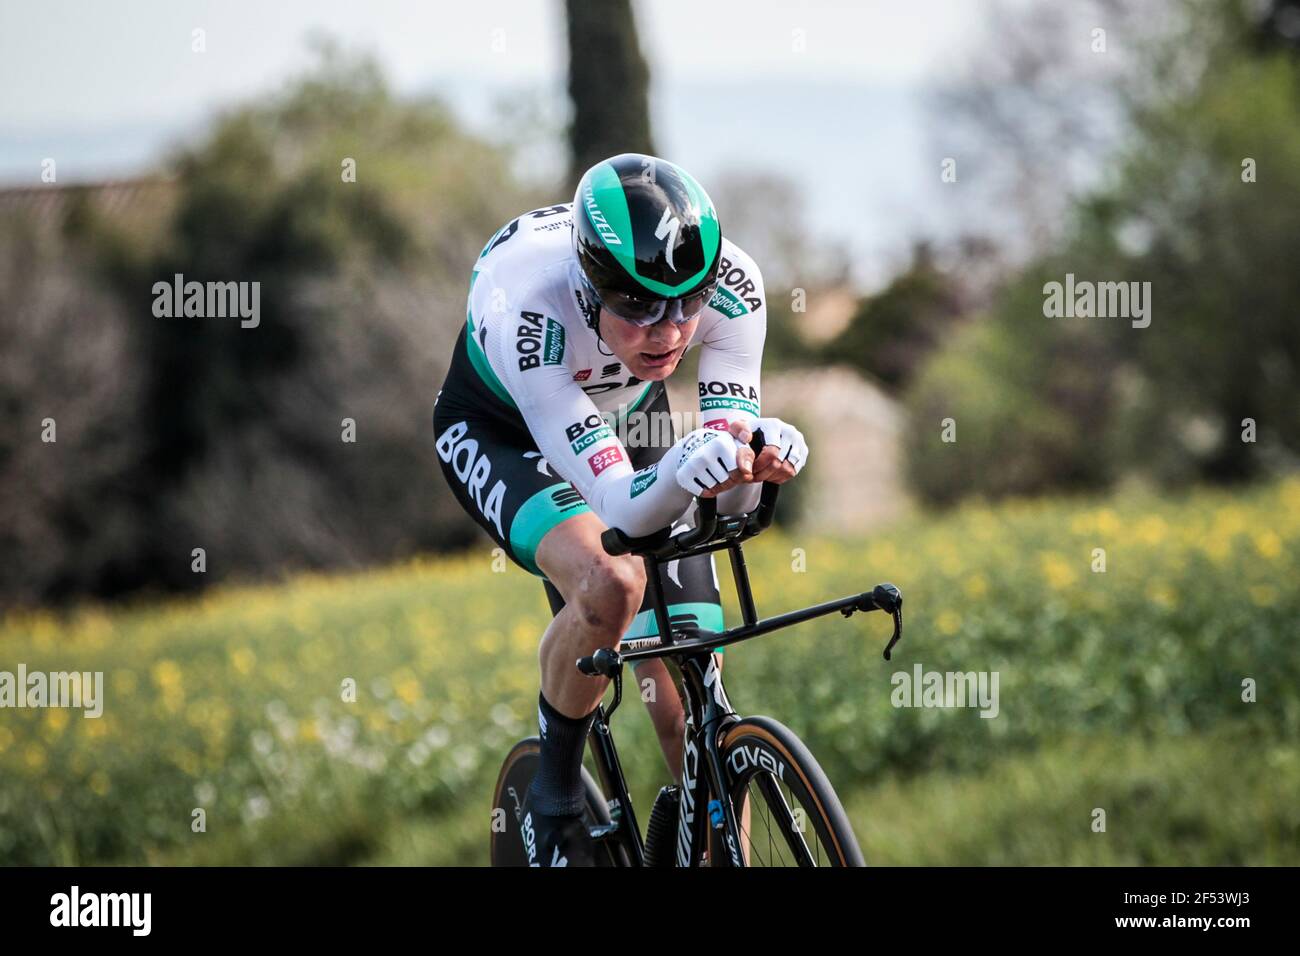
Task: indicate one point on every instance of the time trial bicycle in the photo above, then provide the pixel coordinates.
(751, 792)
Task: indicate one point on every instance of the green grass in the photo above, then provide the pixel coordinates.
(1206, 800)
(1120, 690)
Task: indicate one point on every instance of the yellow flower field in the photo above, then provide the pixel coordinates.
(362, 718)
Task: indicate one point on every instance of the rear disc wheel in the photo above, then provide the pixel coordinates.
(517, 773)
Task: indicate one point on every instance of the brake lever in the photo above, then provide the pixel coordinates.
(887, 597)
(897, 615)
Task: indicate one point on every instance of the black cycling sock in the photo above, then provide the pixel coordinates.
(557, 789)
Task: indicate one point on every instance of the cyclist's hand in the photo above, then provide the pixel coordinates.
(711, 462)
(745, 455)
(784, 451)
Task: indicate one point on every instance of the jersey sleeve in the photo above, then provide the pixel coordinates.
(571, 434)
(731, 349)
(731, 358)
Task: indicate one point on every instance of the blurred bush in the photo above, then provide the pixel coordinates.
(70, 388)
(893, 332)
(1203, 203)
(178, 433)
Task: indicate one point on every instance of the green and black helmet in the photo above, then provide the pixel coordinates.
(647, 239)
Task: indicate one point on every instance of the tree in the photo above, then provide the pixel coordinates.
(893, 332)
(1201, 208)
(608, 84)
(179, 432)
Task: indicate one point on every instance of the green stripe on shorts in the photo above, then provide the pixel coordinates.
(707, 616)
(538, 515)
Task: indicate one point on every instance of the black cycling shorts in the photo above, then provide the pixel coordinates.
(502, 481)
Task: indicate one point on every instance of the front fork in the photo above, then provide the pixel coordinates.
(709, 710)
(698, 814)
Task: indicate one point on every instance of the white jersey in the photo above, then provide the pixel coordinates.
(530, 340)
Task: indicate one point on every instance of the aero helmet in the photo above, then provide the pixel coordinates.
(646, 238)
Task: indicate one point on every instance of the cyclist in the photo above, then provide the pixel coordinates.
(577, 314)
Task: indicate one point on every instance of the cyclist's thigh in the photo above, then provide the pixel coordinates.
(571, 553)
(503, 482)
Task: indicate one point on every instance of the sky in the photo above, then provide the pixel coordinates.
(829, 94)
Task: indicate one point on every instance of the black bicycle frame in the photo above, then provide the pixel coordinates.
(708, 712)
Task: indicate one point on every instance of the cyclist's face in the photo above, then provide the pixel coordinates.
(650, 353)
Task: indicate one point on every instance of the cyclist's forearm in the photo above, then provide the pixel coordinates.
(644, 501)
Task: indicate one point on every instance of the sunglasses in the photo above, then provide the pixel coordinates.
(643, 312)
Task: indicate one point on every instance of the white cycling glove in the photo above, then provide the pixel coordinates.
(707, 459)
(789, 440)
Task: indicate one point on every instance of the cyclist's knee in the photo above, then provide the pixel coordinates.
(610, 593)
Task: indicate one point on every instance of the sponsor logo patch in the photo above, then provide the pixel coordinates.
(643, 479)
(744, 287)
(729, 304)
(696, 441)
(473, 470)
(728, 395)
(566, 497)
(589, 310)
(600, 387)
(604, 458)
(584, 434)
(589, 439)
(539, 341)
(553, 347)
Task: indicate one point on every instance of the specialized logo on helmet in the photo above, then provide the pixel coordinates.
(667, 229)
(597, 218)
(645, 228)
